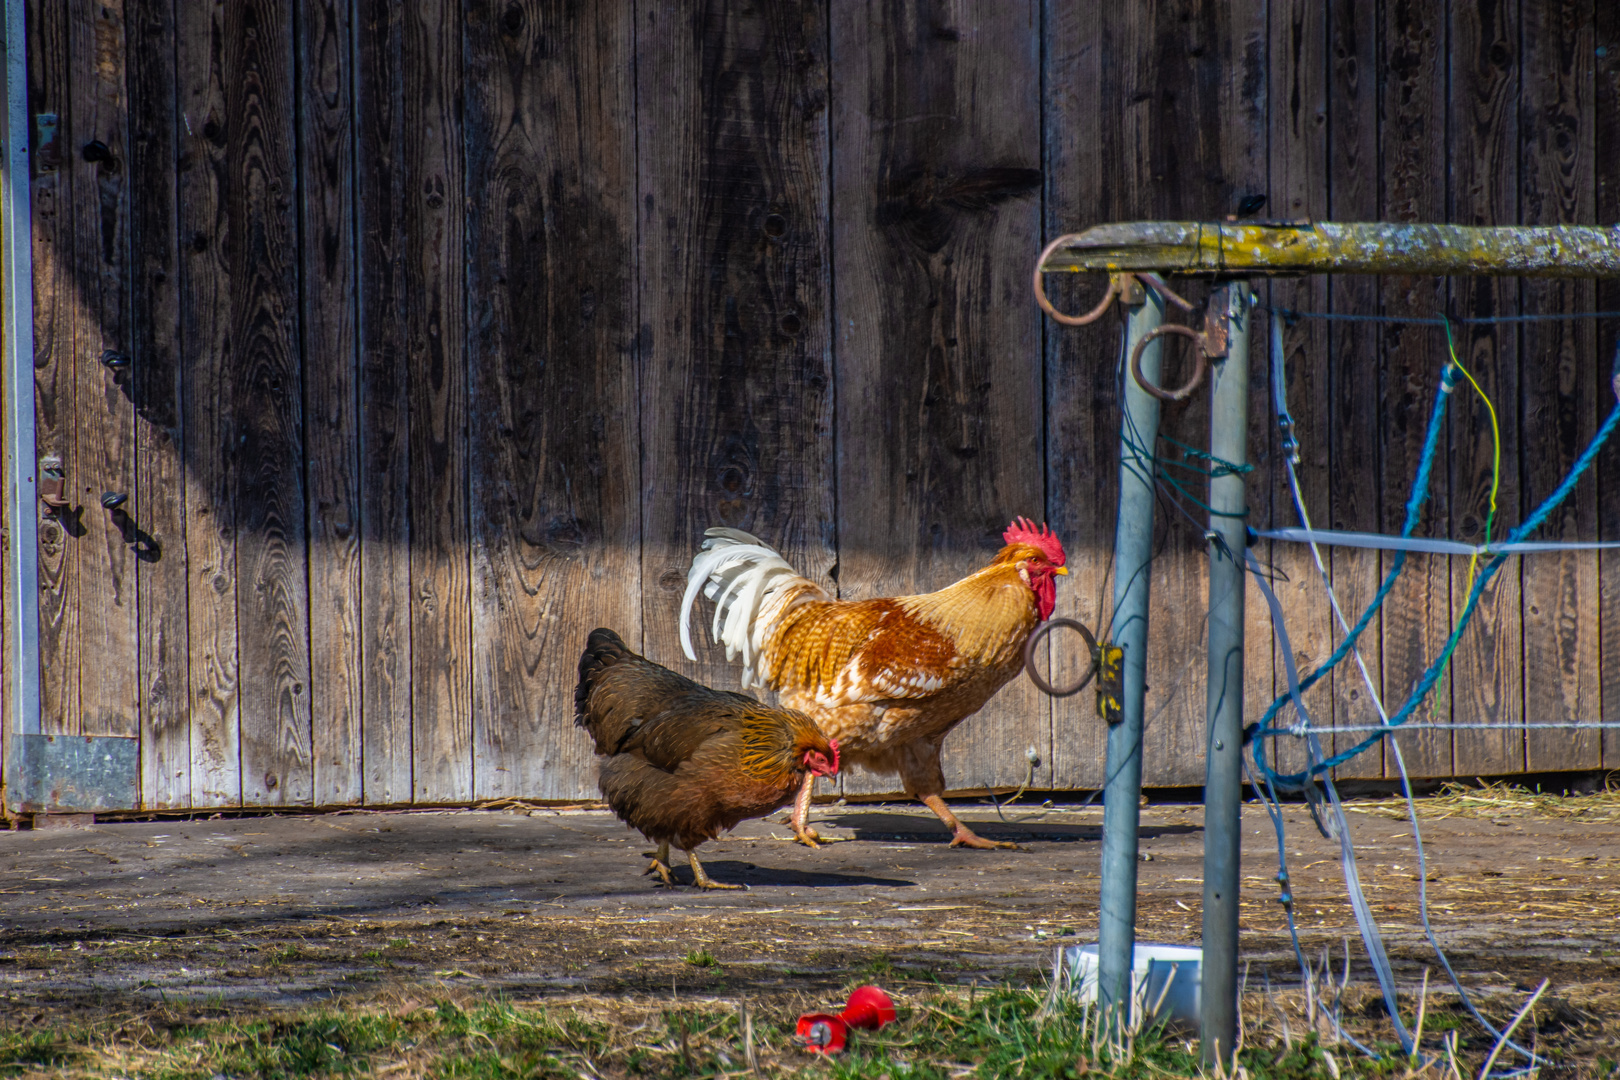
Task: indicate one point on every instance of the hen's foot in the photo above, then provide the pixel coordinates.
(806, 835)
(660, 863)
(702, 880)
(966, 837)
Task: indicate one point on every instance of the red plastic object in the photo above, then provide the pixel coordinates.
(824, 1033)
(868, 1008)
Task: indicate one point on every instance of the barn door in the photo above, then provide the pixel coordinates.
(79, 750)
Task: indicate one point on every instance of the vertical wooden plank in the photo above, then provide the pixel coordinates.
(208, 373)
(1299, 189)
(160, 435)
(1606, 161)
(1356, 498)
(103, 416)
(737, 383)
(327, 261)
(551, 175)
(390, 257)
(936, 128)
(272, 569)
(436, 335)
(1413, 144)
(55, 302)
(1194, 107)
(1561, 389)
(1081, 111)
(1486, 675)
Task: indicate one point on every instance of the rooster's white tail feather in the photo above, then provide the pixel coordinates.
(751, 586)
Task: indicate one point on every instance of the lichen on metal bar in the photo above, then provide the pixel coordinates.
(1324, 247)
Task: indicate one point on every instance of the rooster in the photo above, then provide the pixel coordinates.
(887, 678)
(684, 762)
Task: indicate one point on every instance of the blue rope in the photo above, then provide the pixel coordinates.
(1432, 674)
(1414, 510)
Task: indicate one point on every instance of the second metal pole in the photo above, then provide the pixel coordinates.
(1133, 555)
(1223, 777)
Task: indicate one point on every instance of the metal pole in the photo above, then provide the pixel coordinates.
(17, 361)
(1223, 777)
(1133, 554)
(1217, 248)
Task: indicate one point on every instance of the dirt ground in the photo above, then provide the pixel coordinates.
(284, 911)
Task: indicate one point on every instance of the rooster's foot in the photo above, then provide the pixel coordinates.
(966, 837)
(702, 880)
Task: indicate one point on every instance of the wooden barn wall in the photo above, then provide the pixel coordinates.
(424, 337)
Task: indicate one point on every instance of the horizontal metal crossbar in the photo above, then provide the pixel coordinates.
(1415, 725)
(1325, 247)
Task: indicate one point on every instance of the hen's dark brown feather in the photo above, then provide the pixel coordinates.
(684, 762)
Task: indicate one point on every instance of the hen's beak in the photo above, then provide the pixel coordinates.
(1064, 570)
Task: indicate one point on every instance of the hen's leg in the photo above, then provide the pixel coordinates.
(703, 880)
(801, 813)
(920, 771)
(660, 864)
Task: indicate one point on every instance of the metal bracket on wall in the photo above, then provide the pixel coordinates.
(1110, 682)
(62, 774)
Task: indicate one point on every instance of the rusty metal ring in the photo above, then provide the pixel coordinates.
(1184, 392)
(1037, 635)
(1039, 283)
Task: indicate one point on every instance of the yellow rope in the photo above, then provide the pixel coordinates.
(1496, 461)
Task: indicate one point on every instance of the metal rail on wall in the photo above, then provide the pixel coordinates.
(21, 480)
(1137, 256)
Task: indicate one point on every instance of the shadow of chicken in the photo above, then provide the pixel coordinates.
(684, 763)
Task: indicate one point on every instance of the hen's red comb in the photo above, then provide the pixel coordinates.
(1023, 531)
(832, 744)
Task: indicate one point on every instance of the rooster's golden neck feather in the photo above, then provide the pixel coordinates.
(977, 610)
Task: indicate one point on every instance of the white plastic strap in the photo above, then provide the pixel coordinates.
(1383, 542)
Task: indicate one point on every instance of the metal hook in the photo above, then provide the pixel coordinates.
(1039, 283)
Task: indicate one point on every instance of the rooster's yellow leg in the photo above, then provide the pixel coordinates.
(660, 864)
(703, 880)
(801, 813)
(962, 836)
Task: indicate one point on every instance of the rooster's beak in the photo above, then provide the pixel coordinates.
(1064, 570)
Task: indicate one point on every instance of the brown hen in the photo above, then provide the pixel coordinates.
(684, 762)
(887, 678)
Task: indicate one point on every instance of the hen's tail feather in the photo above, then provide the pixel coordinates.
(751, 586)
(603, 649)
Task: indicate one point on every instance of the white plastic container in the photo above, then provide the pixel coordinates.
(1163, 975)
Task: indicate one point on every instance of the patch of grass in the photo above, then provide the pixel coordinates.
(701, 958)
(284, 955)
(877, 968)
(41, 1048)
(942, 1034)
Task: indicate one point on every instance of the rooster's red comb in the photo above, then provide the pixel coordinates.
(1023, 531)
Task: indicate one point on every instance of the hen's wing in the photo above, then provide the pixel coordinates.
(631, 705)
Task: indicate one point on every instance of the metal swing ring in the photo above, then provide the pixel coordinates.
(1039, 283)
(1181, 393)
(1035, 638)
